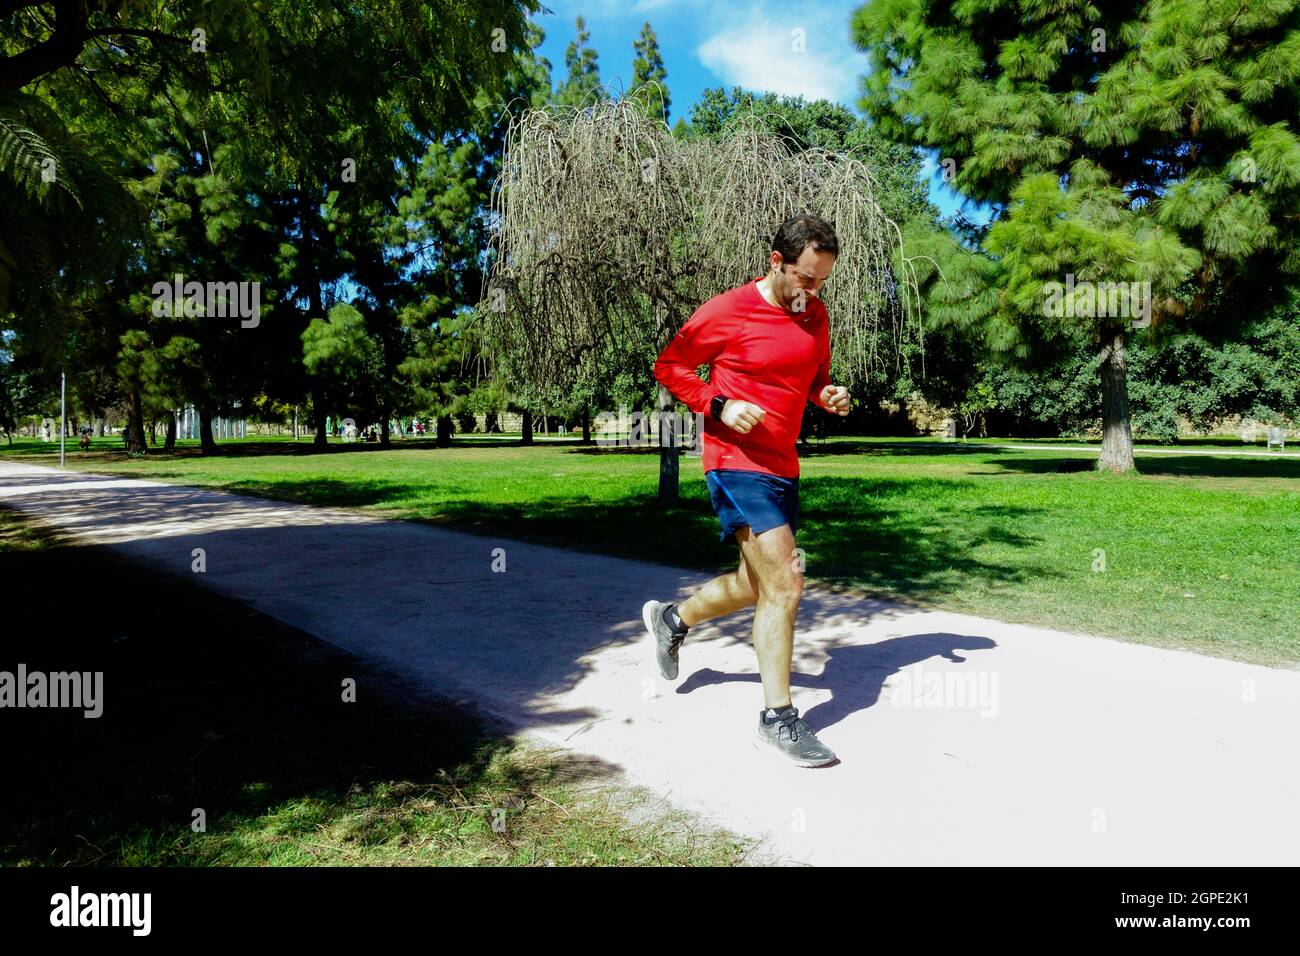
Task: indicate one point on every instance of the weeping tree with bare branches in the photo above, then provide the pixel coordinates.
(608, 233)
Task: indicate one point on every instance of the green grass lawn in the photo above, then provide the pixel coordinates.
(208, 704)
(1199, 551)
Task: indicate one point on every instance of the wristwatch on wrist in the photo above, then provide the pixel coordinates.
(717, 405)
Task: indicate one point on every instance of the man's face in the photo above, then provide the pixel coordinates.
(805, 274)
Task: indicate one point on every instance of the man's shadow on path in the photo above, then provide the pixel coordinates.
(855, 673)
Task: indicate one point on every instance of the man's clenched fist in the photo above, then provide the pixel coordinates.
(742, 416)
(835, 398)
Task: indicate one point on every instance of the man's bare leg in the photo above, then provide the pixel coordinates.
(724, 595)
(768, 578)
(771, 556)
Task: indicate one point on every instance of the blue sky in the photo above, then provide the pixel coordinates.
(706, 43)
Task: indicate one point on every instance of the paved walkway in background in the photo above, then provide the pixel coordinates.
(961, 740)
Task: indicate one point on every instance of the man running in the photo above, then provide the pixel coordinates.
(767, 346)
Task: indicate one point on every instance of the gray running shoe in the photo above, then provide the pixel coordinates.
(666, 642)
(791, 737)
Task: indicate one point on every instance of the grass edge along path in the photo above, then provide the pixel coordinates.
(210, 704)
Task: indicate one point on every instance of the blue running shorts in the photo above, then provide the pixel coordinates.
(752, 498)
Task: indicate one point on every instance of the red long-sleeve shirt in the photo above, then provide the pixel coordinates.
(757, 352)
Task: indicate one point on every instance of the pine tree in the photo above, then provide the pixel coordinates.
(582, 81)
(1119, 142)
(649, 78)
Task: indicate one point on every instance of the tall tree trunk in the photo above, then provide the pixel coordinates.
(528, 428)
(1116, 431)
(308, 215)
(444, 431)
(207, 445)
(383, 432)
(586, 424)
(669, 462)
(135, 421)
(318, 414)
(153, 433)
(169, 443)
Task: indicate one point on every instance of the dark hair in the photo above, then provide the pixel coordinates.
(798, 232)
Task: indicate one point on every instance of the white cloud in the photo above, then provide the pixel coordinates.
(758, 50)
